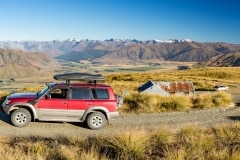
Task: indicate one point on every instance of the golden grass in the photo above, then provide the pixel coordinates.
(4, 93)
(203, 78)
(190, 142)
(128, 145)
(150, 103)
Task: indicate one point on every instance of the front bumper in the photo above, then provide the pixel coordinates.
(1, 108)
(5, 108)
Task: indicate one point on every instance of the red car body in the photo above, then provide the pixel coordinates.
(94, 103)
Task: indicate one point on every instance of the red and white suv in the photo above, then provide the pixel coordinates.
(90, 102)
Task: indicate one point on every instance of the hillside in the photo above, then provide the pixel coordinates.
(223, 60)
(125, 51)
(182, 52)
(15, 63)
(152, 52)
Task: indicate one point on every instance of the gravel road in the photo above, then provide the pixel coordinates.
(128, 123)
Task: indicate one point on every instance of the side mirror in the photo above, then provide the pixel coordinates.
(48, 96)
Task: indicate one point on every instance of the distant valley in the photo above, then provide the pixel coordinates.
(31, 56)
(125, 51)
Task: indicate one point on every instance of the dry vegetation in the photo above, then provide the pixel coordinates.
(221, 142)
(145, 103)
(188, 143)
(202, 78)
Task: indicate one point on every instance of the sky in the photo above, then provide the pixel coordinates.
(46, 20)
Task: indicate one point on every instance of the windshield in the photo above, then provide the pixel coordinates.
(42, 92)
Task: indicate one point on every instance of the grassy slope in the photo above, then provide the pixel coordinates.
(189, 143)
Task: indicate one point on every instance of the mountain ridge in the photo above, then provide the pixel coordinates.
(125, 51)
(223, 60)
(17, 63)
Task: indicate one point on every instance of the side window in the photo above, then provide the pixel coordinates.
(59, 93)
(81, 93)
(100, 93)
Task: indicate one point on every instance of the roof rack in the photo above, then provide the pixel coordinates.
(78, 76)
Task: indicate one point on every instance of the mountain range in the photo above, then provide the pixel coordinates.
(16, 63)
(127, 51)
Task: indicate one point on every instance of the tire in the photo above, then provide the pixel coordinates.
(20, 117)
(96, 120)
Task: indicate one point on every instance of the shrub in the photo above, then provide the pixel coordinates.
(176, 103)
(209, 100)
(128, 145)
(190, 142)
(149, 103)
(221, 99)
(203, 101)
(160, 142)
(137, 102)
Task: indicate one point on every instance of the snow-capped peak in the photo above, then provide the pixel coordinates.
(73, 40)
(173, 40)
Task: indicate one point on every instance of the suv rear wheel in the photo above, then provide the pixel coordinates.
(20, 117)
(96, 120)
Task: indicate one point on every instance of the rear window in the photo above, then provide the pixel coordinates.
(81, 93)
(100, 93)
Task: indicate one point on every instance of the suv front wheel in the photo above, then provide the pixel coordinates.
(96, 120)
(20, 117)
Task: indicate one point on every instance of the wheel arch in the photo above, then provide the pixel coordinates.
(95, 109)
(26, 106)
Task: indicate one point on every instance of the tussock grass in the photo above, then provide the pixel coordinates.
(3, 93)
(210, 100)
(149, 103)
(202, 78)
(128, 145)
(203, 101)
(220, 99)
(190, 142)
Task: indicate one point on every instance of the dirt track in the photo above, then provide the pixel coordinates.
(128, 123)
(172, 121)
